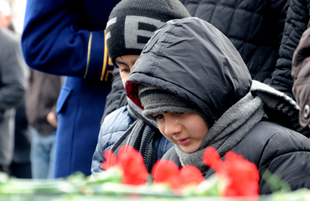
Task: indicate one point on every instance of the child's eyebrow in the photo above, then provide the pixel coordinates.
(120, 62)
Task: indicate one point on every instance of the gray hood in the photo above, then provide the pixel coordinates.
(193, 59)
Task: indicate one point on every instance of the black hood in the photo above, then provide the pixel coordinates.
(193, 59)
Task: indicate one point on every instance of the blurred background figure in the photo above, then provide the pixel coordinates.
(17, 8)
(12, 87)
(41, 99)
(5, 15)
(20, 166)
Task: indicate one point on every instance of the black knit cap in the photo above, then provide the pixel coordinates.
(156, 101)
(132, 23)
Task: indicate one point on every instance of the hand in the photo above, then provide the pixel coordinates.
(52, 119)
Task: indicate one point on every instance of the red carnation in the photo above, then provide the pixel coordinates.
(110, 160)
(244, 176)
(190, 175)
(240, 175)
(130, 161)
(165, 171)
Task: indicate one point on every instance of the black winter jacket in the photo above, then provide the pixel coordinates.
(268, 145)
(254, 27)
(298, 16)
(191, 59)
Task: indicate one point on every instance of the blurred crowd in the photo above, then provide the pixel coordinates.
(28, 109)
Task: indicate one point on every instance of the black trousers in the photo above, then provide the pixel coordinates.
(5, 168)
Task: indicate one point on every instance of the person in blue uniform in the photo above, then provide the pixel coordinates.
(64, 37)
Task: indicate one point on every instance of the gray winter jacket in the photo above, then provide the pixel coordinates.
(12, 88)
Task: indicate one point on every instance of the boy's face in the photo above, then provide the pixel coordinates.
(125, 64)
(186, 130)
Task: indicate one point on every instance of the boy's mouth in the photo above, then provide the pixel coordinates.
(183, 141)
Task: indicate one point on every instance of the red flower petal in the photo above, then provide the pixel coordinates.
(131, 161)
(110, 160)
(190, 175)
(212, 159)
(165, 171)
(240, 175)
(243, 176)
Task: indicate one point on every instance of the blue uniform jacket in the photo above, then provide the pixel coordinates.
(112, 128)
(66, 37)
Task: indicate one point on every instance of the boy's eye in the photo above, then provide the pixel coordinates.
(158, 116)
(125, 70)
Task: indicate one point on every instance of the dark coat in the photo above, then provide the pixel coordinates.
(268, 145)
(67, 37)
(41, 98)
(254, 27)
(298, 15)
(192, 59)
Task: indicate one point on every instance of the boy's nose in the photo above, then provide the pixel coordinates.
(172, 126)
